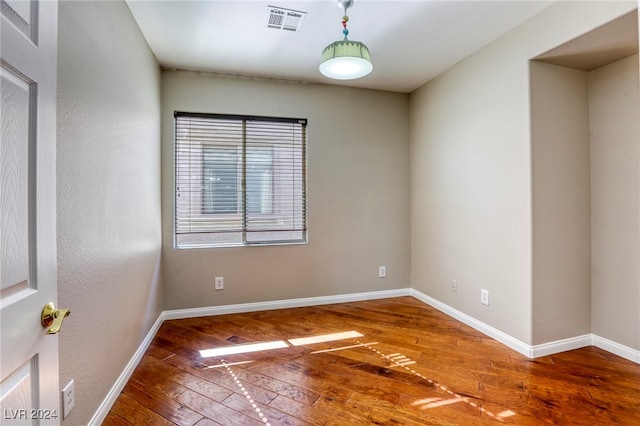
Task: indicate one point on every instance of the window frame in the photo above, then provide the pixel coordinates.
(241, 185)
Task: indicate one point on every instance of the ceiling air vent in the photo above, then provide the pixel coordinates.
(284, 19)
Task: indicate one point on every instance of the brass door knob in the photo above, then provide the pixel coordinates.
(52, 317)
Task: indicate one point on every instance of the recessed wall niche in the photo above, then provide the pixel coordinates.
(585, 143)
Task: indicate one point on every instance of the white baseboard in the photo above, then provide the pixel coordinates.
(616, 348)
(113, 394)
(563, 345)
(529, 351)
(584, 341)
(282, 304)
(492, 332)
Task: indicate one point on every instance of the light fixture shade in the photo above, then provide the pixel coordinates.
(346, 60)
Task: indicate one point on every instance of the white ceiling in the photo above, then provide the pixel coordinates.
(411, 42)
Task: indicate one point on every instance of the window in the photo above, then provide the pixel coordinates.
(239, 180)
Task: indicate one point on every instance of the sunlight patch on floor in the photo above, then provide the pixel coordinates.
(436, 402)
(279, 344)
(324, 338)
(505, 414)
(243, 349)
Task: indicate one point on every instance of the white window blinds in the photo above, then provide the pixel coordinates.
(239, 180)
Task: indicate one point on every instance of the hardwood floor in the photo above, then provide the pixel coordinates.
(404, 363)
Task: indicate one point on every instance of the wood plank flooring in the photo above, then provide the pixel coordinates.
(408, 364)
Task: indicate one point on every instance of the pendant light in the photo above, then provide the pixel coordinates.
(346, 59)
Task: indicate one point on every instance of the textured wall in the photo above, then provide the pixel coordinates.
(358, 194)
(109, 233)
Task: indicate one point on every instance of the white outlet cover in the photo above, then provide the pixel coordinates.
(382, 272)
(68, 399)
(219, 283)
(484, 297)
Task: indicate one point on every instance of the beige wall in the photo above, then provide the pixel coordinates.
(471, 180)
(358, 194)
(615, 175)
(561, 194)
(109, 230)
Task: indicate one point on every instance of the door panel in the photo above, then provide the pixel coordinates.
(19, 399)
(21, 14)
(14, 193)
(29, 389)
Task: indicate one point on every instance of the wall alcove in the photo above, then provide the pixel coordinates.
(585, 145)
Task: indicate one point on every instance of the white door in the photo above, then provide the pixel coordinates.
(29, 388)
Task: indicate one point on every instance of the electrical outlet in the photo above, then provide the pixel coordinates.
(382, 272)
(454, 286)
(219, 283)
(68, 399)
(484, 297)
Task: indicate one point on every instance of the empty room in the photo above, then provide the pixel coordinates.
(320, 212)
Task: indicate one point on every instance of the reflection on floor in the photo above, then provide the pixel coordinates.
(391, 361)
